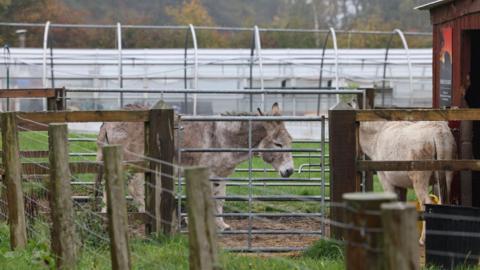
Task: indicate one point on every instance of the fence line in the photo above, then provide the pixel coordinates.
(346, 226)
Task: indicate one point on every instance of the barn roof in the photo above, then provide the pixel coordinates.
(434, 4)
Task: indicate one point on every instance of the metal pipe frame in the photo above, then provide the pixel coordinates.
(185, 71)
(265, 249)
(269, 91)
(306, 184)
(187, 150)
(120, 61)
(335, 48)
(407, 53)
(247, 150)
(264, 179)
(271, 232)
(258, 49)
(320, 79)
(331, 32)
(272, 170)
(250, 185)
(220, 28)
(45, 48)
(323, 175)
(7, 60)
(271, 215)
(269, 198)
(250, 82)
(409, 62)
(195, 66)
(192, 32)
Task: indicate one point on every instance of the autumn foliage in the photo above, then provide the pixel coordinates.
(341, 14)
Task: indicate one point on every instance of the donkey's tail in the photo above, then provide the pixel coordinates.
(445, 149)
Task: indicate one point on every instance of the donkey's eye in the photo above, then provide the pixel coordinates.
(278, 145)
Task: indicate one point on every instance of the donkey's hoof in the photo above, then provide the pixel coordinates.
(421, 242)
(224, 227)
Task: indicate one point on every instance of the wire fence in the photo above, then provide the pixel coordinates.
(245, 236)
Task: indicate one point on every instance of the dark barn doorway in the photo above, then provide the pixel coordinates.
(471, 46)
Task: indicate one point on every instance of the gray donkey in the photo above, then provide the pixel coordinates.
(214, 134)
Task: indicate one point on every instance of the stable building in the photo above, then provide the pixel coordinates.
(456, 79)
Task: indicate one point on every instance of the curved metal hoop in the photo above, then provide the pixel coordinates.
(407, 53)
(45, 48)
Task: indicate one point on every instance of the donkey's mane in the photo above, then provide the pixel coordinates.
(135, 106)
(244, 114)
(238, 114)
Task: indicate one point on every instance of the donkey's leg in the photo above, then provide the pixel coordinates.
(104, 201)
(401, 194)
(136, 188)
(384, 181)
(220, 189)
(420, 181)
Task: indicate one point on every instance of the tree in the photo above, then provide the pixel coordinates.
(193, 12)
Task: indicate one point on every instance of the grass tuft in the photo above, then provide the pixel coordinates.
(324, 249)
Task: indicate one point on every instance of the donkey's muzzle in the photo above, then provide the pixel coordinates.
(287, 172)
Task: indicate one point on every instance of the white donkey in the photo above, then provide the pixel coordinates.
(214, 134)
(405, 140)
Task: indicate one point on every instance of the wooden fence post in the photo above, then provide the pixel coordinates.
(364, 239)
(116, 207)
(13, 180)
(370, 102)
(202, 235)
(399, 223)
(63, 231)
(370, 99)
(57, 103)
(344, 177)
(159, 187)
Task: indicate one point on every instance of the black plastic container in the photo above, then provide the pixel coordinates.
(452, 236)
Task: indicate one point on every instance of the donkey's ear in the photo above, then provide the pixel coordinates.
(276, 109)
(260, 112)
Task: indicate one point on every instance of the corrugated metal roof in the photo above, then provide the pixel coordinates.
(434, 4)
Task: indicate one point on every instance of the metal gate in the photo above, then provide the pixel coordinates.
(268, 213)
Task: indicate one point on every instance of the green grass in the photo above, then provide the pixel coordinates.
(165, 254)
(258, 163)
(325, 249)
(173, 253)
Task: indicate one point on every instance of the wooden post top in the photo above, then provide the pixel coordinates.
(342, 106)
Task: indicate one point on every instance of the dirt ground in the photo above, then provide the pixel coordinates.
(307, 224)
(277, 241)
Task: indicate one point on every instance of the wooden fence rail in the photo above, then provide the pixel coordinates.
(418, 165)
(55, 96)
(418, 115)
